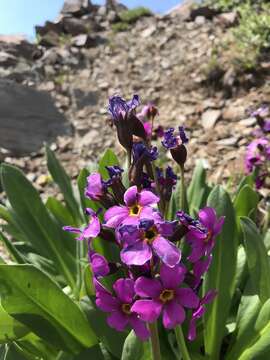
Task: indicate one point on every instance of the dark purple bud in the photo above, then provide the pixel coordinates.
(140, 150)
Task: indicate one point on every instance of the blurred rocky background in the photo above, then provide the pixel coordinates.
(186, 61)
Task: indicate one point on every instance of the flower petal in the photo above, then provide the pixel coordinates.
(94, 188)
(106, 302)
(146, 287)
(130, 196)
(139, 327)
(208, 217)
(136, 254)
(147, 198)
(148, 310)
(166, 251)
(124, 289)
(192, 330)
(117, 320)
(173, 314)
(187, 298)
(115, 215)
(72, 229)
(92, 229)
(197, 252)
(99, 264)
(172, 277)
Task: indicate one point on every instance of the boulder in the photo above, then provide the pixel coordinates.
(28, 118)
(76, 7)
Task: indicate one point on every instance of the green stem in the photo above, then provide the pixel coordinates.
(182, 190)
(156, 355)
(181, 343)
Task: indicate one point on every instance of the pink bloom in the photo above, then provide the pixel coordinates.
(119, 307)
(89, 231)
(137, 206)
(140, 243)
(164, 296)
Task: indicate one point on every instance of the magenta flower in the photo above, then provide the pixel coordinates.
(199, 312)
(258, 151)
(99, 264)
(148, 112)
(164, 296)
(119, 307)
(137, 207)
(148, 239)
(89, 231)
(95, 187)
(201, 235)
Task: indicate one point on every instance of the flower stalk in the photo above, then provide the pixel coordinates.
(181, 343)
(154, 339)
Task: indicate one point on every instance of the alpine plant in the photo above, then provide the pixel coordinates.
(155, 279)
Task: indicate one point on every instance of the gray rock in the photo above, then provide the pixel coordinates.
(76, 7)
(210, 117)
(74, 26)
(28, 118)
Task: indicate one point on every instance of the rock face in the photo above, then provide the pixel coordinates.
(28, 118)
(81, 60)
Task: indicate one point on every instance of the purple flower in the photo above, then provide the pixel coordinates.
(140, 243)
(119, 108)
(202, 233)
(140, 150)
(261, 112)
(171, 141)
(119, 307)
(95, 187)
(89, 231)
(167, 182)
(99, 264)
(137, 207)
(164, 296)
(199, 312)
(199, 268)
(258, 151)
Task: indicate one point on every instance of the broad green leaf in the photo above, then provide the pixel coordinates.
(108, 159)
(257, 258)
(59, 211)
(88, 281)
(221, 275)
(31, 297)
(111, 339)
(246, 202)
(266, 240)
(61, 178)
(35, 222)
(37, 347)
(133, 348)
(10, 329)
(198, 189)
(258, 344)
(247, 180)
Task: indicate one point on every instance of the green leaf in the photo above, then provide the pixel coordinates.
(257, 336)
(35, 222)
(111, 339)
(221, 275)
(198, 189)
(133, 348)
(257, 258)
(31, 297)
(108, 159)
(14, 253)
(246, 202)
(59, 211)
(61, 178)
(10, 329)
(88, 281)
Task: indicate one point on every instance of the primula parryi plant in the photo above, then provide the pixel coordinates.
(147, 267)
(159, 279)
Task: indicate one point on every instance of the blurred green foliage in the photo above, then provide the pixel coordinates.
(132, 15)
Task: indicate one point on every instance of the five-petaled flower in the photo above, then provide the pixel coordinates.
(164, 296)
(119, 307)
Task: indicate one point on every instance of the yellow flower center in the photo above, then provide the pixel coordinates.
(126, 308)
(150, 234)
(166, 295)
(135, 210)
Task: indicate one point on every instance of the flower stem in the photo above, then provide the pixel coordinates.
(156, 355)
(181, 343)
(183, 201)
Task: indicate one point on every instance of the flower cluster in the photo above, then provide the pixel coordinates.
(154, 277)
(257, 157)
